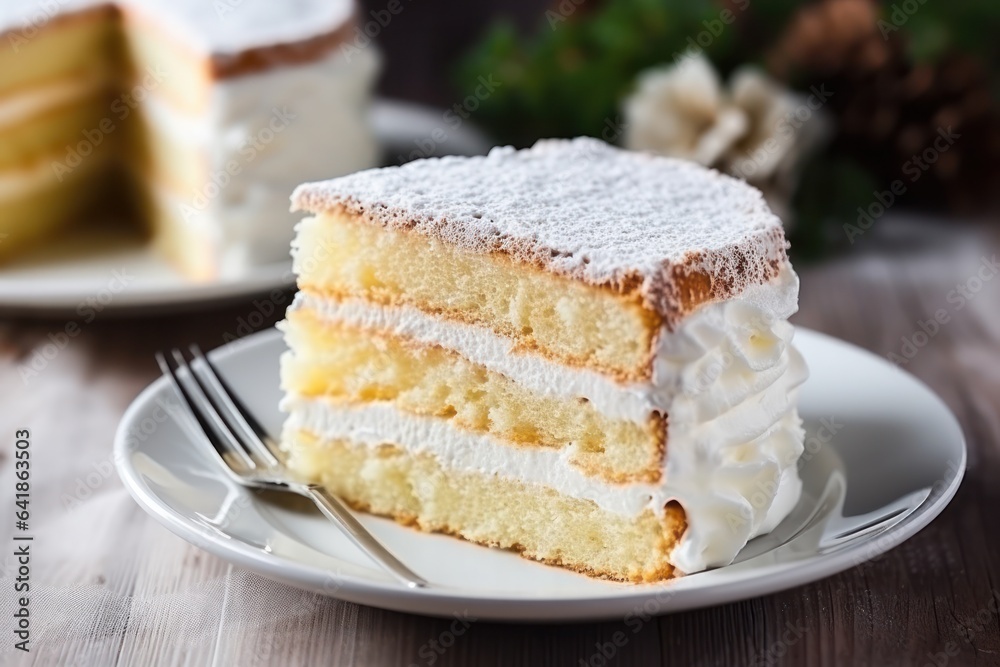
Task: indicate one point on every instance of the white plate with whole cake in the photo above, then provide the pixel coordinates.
(148, 147)
(576, 358)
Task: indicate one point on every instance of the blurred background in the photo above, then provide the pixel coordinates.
(846, 113)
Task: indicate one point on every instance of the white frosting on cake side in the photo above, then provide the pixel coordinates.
(727, 379)
(261, 135)
(213, 27)
(734, 437)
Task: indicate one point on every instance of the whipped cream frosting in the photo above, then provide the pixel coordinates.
(734, 436)
(727, 378)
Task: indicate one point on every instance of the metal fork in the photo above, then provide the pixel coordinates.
(251, 458)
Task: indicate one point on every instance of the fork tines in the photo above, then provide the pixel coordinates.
(233, 432)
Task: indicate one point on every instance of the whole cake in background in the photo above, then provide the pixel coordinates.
(196, 117)
(573, 351)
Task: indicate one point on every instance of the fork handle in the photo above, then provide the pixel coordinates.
(335, 510)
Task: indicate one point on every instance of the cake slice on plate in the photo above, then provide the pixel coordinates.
(193, 119)
(573, 351)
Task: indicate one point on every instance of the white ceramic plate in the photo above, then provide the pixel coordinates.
(105, 271)
(884, 457)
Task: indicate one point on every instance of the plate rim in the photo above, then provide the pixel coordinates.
(766, 580)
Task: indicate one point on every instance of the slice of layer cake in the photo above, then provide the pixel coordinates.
(573, 351)
(194, 118)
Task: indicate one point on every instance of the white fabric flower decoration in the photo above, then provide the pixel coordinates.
(756, 129)
(682, 111)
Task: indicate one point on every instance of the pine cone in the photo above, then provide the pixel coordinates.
(830, 37)
(890, 111)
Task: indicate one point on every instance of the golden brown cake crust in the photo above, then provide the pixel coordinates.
(278, 55)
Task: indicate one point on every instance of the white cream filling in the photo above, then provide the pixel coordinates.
(22, 180)
(21, 107)
(15, 183)
(726, 378)
(25, 181)
(485, 348)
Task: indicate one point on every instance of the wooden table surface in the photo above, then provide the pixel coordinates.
(932, 601)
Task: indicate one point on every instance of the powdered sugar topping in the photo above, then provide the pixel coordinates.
(580, 208)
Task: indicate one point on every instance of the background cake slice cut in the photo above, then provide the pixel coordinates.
(573, 351)
(192, 119)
